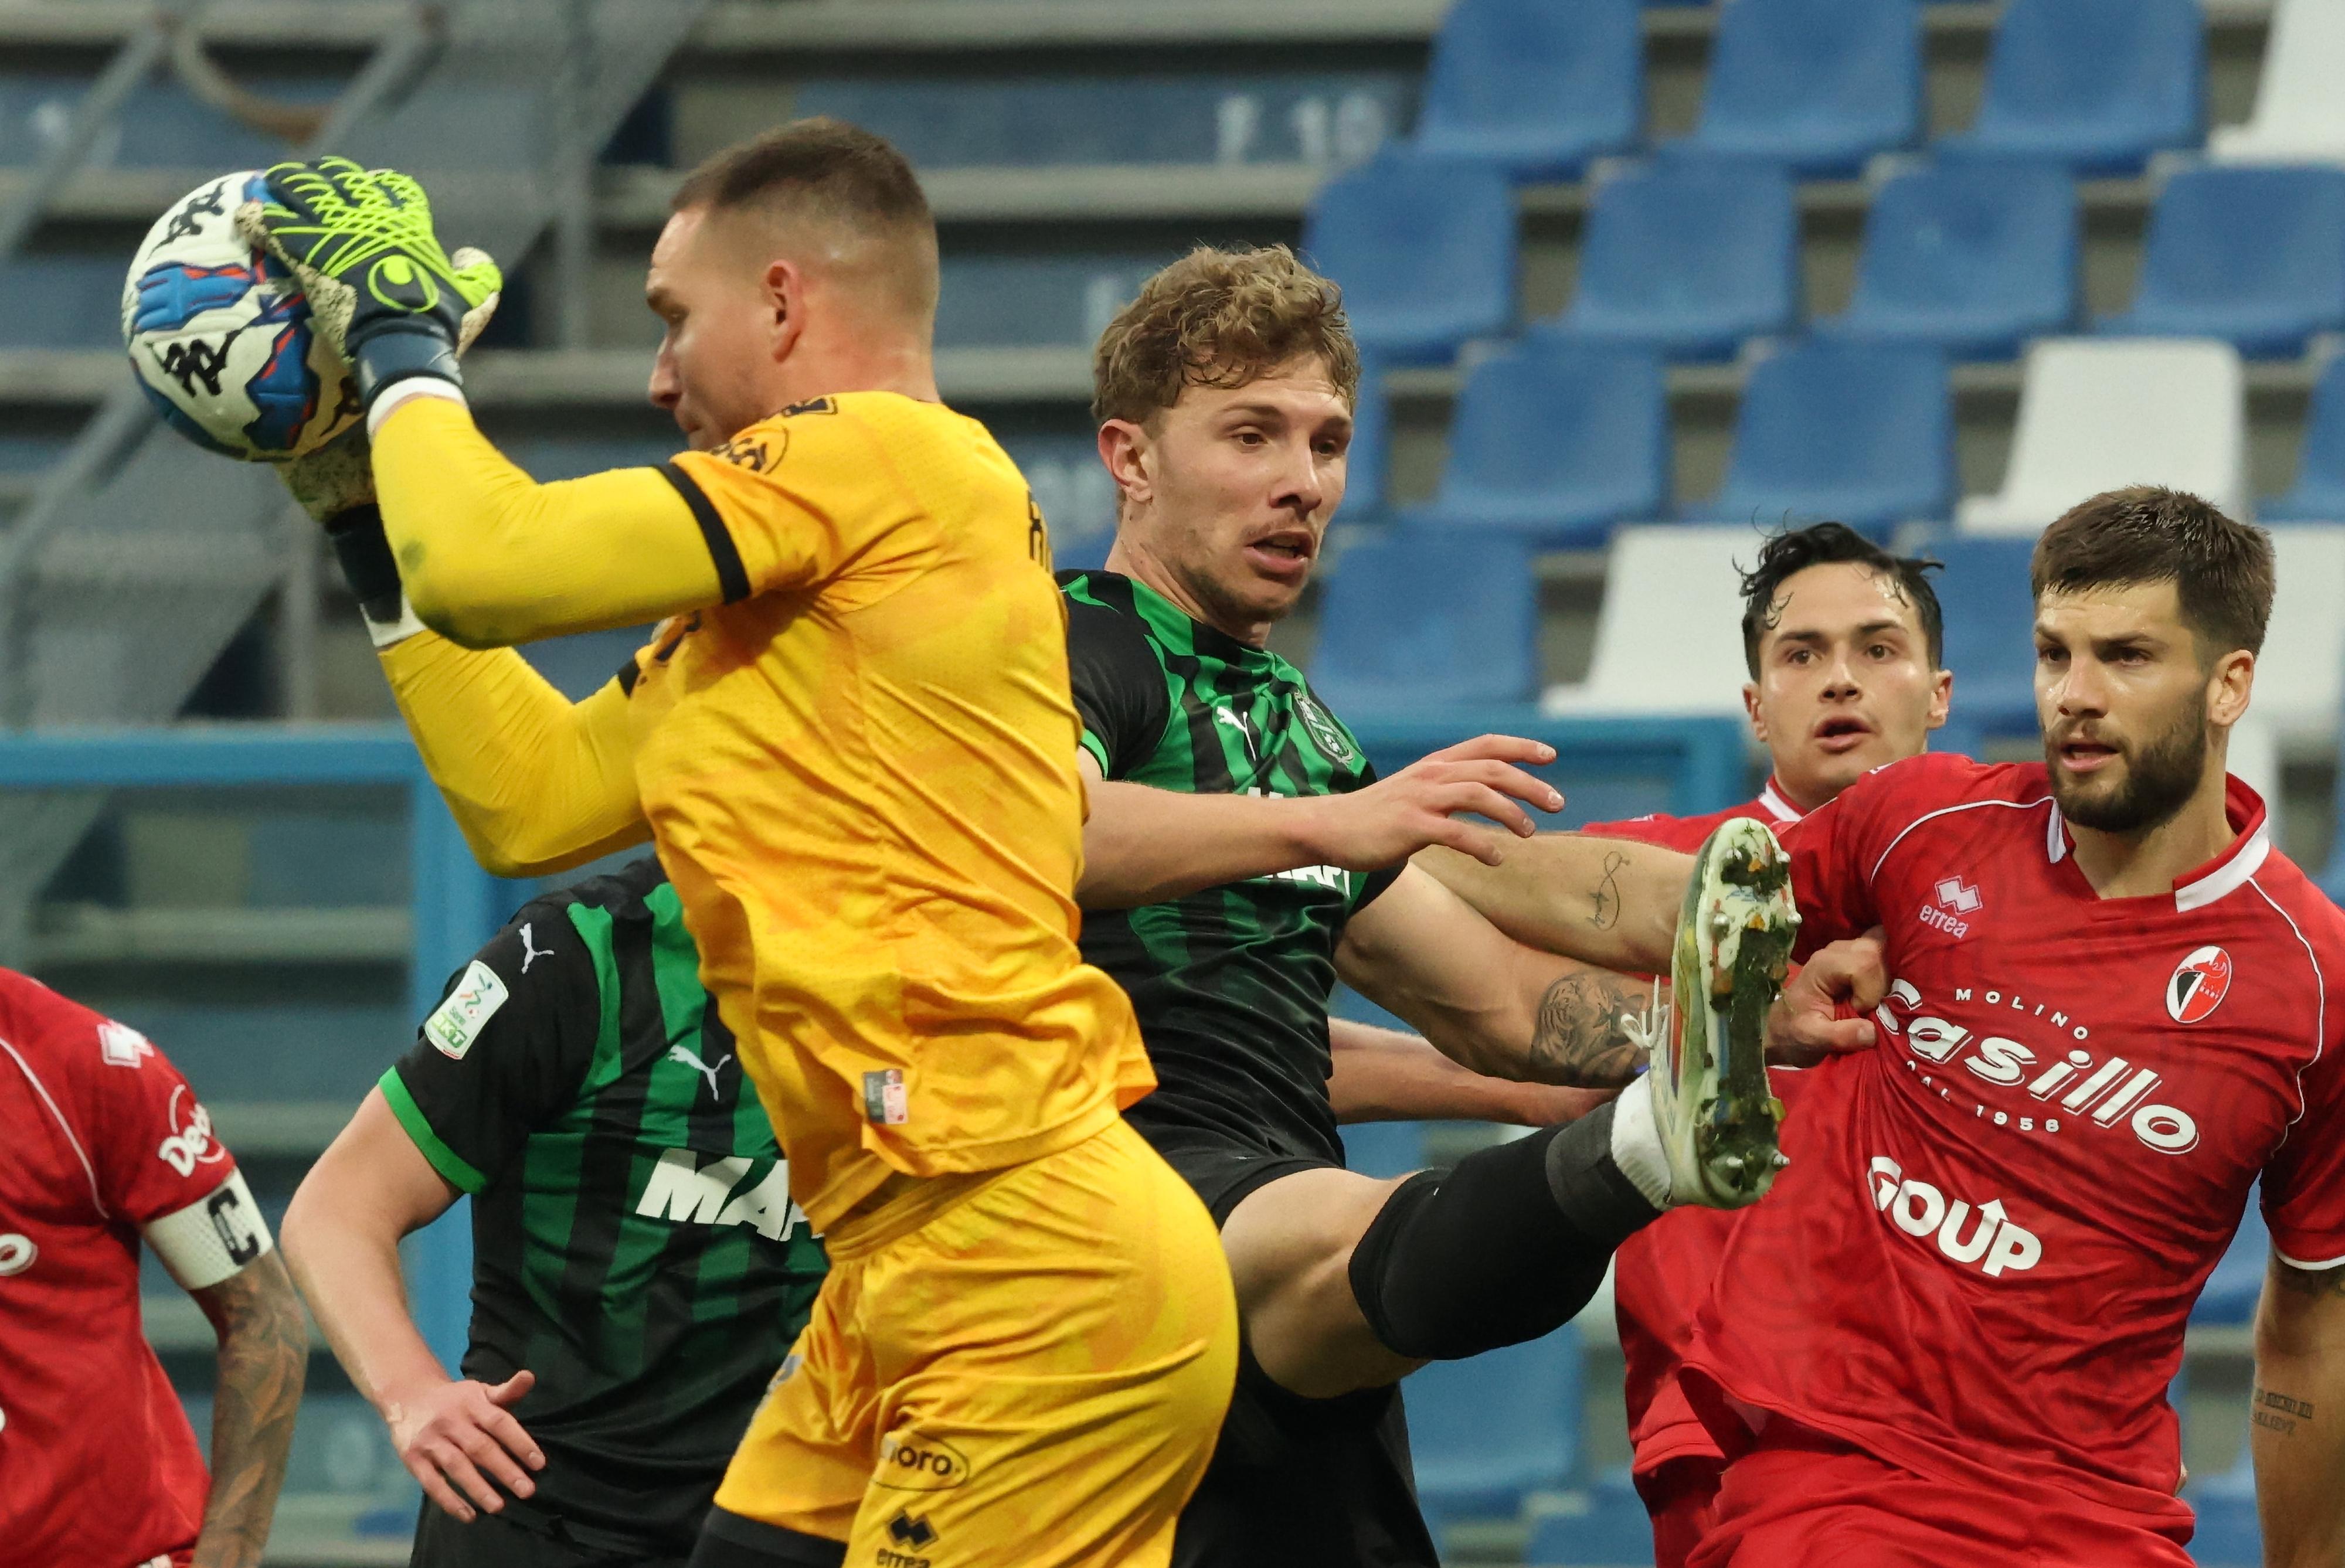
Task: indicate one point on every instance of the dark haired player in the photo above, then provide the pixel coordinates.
(639, 1269)
(105, 1148)
(1948, 1334)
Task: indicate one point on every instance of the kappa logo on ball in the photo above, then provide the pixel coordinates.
(2198, 986)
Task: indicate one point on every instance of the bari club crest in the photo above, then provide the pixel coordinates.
(2196, 987)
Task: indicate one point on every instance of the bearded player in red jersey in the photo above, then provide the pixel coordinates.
(1947, 1336)
(107, 1146)
(1844, 646)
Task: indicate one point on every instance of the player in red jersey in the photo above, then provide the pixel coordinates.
(1947, 1336)
(105, 1145)
(1844, 646)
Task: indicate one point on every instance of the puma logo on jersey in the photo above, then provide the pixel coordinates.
(691, 1058)
(529, 951)
(682, 1191)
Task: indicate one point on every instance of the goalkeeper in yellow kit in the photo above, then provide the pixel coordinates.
(852, 741)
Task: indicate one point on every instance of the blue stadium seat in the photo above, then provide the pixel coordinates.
(1556, 441)
(1417, 618)
(2319, 495)
(2229, 1300)
(1383, 1149)
(2098, 84)
(1862, 433)
(1976, 256)
(1488, 1429)
(1535, 87)
(61, 301)
(1071, 487)
(1424, 249)
(1819, 84)
(2253, 255)
(1612, 1529)
(1689, 256)
(1990, 622)
(1368, 467)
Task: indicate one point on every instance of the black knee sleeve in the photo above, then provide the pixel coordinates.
(1507, 1246)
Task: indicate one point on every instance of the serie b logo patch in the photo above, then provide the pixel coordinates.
(2197, 985)
(885, 1104)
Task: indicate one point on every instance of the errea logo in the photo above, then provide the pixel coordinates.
(1956, 899)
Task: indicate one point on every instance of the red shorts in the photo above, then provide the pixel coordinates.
(1801, 1500)
(1681, 1495)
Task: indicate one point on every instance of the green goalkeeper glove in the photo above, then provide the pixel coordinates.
(380, 289)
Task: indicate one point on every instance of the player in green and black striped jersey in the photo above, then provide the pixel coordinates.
(639, 1270)
(1240, 856)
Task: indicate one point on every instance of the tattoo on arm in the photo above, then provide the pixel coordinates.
(1604, 898)
(1583, 1038)
(2278, 1412)
(264, 1350)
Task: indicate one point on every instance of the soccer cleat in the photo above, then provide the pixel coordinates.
(1713, 1106)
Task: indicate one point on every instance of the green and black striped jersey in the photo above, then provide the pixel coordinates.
(633, 1240)
(1231, 984)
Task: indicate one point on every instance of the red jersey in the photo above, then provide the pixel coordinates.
(1979, 1261)
(1663, 1272)
(97, 1466)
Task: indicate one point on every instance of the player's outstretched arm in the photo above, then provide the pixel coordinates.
(2299, 1410)
(537, 783)
(1386, 1074)
(371, 1187)
(264, 1355)
(1488, 1002)
(1144, 845)
(1608, 901)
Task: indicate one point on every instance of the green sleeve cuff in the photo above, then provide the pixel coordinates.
(1097, 750)
(459, 1170)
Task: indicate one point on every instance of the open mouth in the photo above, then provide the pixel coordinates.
(1284, 554)
(2079, 755)
(1842, 732)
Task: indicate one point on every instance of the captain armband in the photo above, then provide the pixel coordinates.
(212, 1238)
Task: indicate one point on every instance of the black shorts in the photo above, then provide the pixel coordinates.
(495, 1540)
(1294, 1482)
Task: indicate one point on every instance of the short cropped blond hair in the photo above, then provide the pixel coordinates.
(1220, 318)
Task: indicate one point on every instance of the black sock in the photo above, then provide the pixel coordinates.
(1507, 1246)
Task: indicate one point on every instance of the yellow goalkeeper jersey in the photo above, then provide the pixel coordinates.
(860, 772)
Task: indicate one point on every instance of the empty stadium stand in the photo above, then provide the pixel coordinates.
(1622, 268)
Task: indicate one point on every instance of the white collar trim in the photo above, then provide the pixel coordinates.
(1777, 806)
(2245, 858)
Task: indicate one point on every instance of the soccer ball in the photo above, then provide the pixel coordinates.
(219, 335)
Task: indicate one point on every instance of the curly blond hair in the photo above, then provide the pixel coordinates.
(1220, 318)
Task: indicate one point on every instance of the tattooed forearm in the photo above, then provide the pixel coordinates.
(264, 1354)
(1582, 1037)
(2278, 1412)
(1604, 898)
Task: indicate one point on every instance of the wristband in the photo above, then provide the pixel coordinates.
(364, 552)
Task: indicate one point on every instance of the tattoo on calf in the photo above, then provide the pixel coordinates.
(1583, 1038)
(1604, 898)
(2310, 1281)
(2278, 1412)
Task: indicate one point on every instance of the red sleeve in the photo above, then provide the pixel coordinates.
(1832, 854)
(2304, 1184)
(149, 1141)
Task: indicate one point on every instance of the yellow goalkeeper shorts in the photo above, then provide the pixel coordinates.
(1033, 1377)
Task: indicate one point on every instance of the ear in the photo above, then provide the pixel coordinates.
(2230, 687)
(1130, 456)
(783, 297)
(1751, 707)
(1941, 698)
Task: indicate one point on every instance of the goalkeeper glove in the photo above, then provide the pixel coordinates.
(380, 289)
